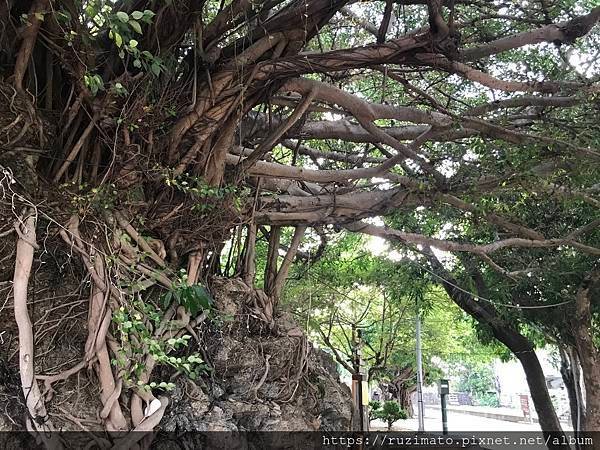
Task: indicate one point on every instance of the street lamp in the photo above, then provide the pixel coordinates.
(420, 408)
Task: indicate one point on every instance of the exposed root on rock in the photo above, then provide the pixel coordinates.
(26, 244)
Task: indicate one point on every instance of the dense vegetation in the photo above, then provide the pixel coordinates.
(151, 146)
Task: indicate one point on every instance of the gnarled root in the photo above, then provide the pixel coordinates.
(144, 428)
(49, 379)
(35, 403)
(99, 317)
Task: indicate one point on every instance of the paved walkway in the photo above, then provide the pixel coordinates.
(462, 421)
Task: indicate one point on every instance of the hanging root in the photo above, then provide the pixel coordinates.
(99, 317)
(26, 244)
(49, 379)
(262, 379)
(138, 259)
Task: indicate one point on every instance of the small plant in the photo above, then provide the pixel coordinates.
(83, 197)
(135, 327)
(390, 412)
(203, 194)
(193, 297)
(93, 82)
(488, 399)
(374, 406)
(124, 29)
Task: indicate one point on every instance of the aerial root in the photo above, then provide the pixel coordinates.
(38, 419)
(50, 379)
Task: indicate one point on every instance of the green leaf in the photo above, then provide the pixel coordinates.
(135, 25)
(155, 68)
(123, 16)
(118, 39)
(203, 297)
(133, 43)
(137, 15)
(137, 63)
(91, 11)
(166, 300)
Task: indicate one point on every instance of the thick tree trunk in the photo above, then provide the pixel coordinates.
(404, 398)
(588, 353)
(536, 382)
(521, 347)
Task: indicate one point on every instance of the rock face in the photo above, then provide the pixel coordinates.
(264, 378)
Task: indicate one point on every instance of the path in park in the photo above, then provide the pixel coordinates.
(465, 422)
(457, 422)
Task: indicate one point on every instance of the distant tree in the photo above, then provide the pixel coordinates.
(477, 380)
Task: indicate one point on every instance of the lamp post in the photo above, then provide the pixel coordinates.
(420, 408)
(360, 392)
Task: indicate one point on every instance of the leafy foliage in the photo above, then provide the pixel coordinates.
(194, 298)
(390, 412)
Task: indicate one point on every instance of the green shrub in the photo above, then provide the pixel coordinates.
(374, 405)
(390, 412)
(488, 399)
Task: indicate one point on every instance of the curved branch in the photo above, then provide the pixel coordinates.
(34, 18)
(564, 32)
(485, 79)
(452, 246)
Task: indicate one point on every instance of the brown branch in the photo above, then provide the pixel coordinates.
(75, 150)
(363, 109)
(272, 140)
(144, 428)
(249, 267)
(275, 170)
(441, 62)
(452, 246)
(282, 274)
(29, 37)
(333, 156)
(332, 208)
(367, 26)
(492, 218)
(385, 22)
(564, 32)
(131, 231)
(516, 102)
(365, 112)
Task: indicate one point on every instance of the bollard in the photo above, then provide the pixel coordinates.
(444, 390)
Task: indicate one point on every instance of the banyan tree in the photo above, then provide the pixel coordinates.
(150, 141)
